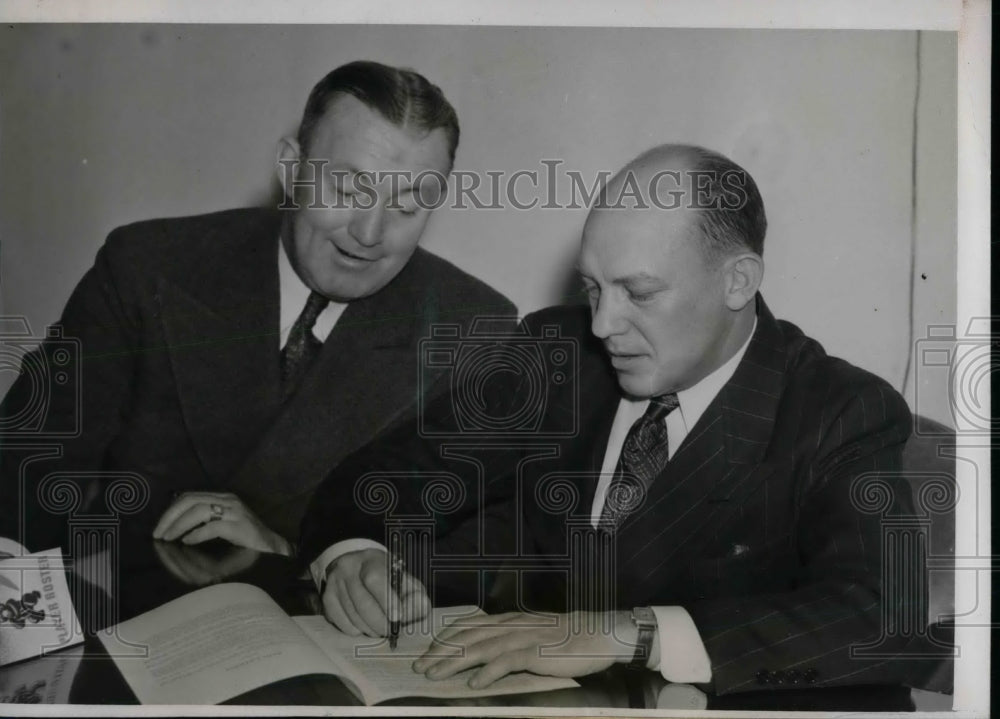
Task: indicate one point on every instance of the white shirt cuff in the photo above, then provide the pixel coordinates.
(318, 568)
(683, 659)
(681, 696)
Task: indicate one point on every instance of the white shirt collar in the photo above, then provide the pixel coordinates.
(694, 400)
(293, 294)
(692, 405)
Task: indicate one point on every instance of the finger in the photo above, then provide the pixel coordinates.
(481, 645)
(350, 609)
(444, 667)
(411, 604)
(409, 583)
(193, 516)
(415, 606)
(457, 645)
(427, 660)
(415, 603)
(180, 505)
(482, 652)
(373, 605)
(189, 499)
(334, 611)
(513, 661)
(374, 581)
(234, 531)
(209, 530)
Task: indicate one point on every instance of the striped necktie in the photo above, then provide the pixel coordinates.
(302, 346)
(644, 455)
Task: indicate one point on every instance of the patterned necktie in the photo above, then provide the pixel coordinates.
(302, 346)
(644, 455)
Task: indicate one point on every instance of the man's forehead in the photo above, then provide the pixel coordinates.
(625, 225)
(626, 241)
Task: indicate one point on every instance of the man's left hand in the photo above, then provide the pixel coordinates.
(197, 517)
(561, 645)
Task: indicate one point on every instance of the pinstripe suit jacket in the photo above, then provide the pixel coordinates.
(764, 525)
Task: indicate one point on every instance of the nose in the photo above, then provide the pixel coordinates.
(366, 225)
(605, 320)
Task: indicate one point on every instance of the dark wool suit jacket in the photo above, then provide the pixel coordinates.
(179, 370)
(765, 525)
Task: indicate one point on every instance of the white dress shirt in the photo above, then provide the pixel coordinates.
(683, 658)
(293, 295)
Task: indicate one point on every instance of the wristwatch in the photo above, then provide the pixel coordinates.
(645, 621)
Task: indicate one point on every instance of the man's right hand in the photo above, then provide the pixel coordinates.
(357, 598)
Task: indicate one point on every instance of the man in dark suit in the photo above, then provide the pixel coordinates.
(703, 494)
(228, 360)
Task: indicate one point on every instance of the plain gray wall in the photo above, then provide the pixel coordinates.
(101, 125)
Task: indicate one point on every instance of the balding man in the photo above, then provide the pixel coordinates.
(712, 452)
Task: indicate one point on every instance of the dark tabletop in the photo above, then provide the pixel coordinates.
(150, 573)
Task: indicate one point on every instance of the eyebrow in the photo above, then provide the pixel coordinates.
(627, 279)
(637, 277)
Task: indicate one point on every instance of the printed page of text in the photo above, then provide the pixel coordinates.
(211, 645)
(382, 674)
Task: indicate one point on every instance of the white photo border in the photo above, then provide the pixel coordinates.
(971, 20)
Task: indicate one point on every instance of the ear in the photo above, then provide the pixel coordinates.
(287, 164)
(744, 273)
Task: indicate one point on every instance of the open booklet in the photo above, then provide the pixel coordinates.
(221, 641)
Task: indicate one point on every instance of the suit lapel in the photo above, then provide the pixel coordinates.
(720, 463)
(349, 394)
(221, 331)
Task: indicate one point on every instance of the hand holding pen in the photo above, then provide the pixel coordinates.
(360, 595)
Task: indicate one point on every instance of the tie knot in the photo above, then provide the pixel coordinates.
(314, 306)
(660, 407)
